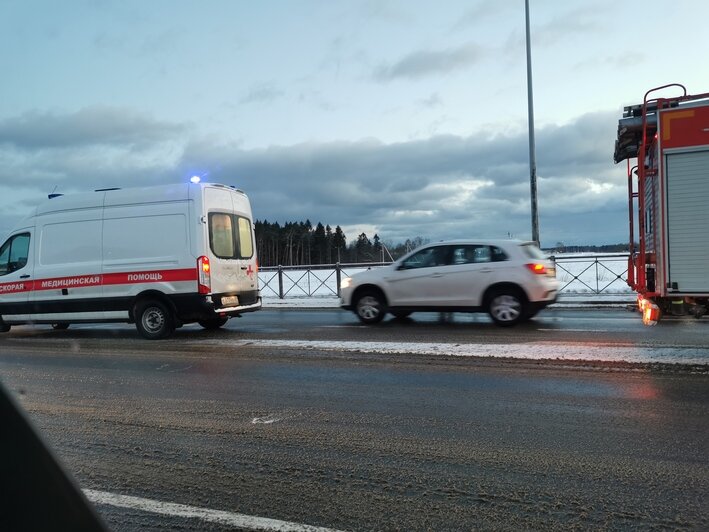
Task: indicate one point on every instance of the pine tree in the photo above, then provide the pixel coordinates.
(319, 244)
(338, 242)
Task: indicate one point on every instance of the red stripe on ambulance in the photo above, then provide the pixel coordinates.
(161, 276)
(11, 288)
(81, 281)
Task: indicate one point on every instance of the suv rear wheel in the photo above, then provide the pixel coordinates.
(370, 307)
(507, 307)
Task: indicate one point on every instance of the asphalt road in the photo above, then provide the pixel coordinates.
(370, 441)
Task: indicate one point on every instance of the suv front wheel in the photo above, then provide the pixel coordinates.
(507, 307)
(370, 307)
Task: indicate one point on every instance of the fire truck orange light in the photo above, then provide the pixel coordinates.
(651, 314)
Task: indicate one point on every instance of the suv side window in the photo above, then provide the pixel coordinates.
(471, 254)
(498, 255)
(14, 253)
(427, 258)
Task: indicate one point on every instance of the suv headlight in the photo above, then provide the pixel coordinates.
(346, 282)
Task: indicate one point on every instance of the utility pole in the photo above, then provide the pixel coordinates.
(532, 149)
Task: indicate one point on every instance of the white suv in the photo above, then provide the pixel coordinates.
(509, 279)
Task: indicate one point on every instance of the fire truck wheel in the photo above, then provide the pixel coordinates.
(153, 319)
(213, 323)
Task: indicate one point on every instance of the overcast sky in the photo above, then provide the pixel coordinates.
(403, 118)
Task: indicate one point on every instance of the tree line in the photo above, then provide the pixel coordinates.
(299, 243)
(605, 248)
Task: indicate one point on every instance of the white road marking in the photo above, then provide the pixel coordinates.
(220, 517)
(546, 350)
(273, 418)
(264, 420)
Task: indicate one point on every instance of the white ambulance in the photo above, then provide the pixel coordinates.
(159, 257)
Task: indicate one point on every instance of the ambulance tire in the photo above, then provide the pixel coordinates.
(153, 319)
(214, 323)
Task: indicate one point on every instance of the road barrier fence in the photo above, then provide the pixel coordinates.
(579, 274)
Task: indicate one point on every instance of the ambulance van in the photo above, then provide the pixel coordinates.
(159, 257)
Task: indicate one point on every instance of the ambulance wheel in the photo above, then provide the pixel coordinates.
(153, 319)
(60, 326)
(213, 323)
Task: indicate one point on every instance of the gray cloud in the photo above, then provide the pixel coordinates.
(481, 13)
(424, 63)
(89, 126)
(262, 94)
(434, 100)
(573, 24)
(442, 187)
(445, 186)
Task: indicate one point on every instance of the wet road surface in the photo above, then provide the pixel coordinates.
(368, 441)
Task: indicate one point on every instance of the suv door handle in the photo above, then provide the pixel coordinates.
(486, 270)
(24, 276)
(436, 275)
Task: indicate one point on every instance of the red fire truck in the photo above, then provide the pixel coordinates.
(665, 141)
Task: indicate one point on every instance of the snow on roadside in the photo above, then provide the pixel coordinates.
(529, 351)
(565, 300)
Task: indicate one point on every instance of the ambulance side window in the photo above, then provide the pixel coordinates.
(13, 253)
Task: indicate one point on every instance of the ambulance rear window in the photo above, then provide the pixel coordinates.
(245, 245)
(221, 235)
(225, 241)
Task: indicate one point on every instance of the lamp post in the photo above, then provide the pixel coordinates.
(532, 150)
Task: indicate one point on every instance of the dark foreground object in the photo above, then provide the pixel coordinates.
(35, 492)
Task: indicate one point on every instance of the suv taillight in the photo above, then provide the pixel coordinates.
(204, 279)
(537, 267)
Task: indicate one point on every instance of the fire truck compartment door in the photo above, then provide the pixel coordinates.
(687, 178)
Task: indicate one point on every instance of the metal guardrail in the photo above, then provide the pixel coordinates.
(579, 274)
(604, 268)
(308, 281)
